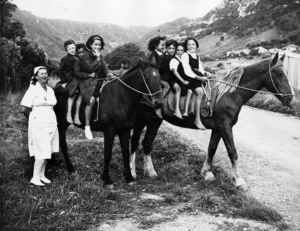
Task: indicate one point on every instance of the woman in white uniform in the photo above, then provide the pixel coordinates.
(43, 140)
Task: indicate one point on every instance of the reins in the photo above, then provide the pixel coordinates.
(259, 91)
(108, 80)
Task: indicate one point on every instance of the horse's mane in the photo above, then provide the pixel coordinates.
(232, 77)
(141, 64)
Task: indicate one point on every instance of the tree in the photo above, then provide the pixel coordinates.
(6, 9)
(128, 53)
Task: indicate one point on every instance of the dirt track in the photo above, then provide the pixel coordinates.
(268, 145)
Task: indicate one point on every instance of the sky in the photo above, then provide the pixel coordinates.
(120, 12)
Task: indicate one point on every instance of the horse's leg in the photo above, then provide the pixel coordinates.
(135, 140)
(109, 136)
(124, 137)
(227, 136)
(152, 129)
(206, 170)
(64, 147)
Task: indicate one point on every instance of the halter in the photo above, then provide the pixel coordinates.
(263, 92)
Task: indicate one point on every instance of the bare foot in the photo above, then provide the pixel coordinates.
(178, 114)
(199, 125)
(77, 121)
(69, 119)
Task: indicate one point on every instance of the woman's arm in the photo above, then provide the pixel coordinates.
(79, 72)
(186, 66)
(26, 111)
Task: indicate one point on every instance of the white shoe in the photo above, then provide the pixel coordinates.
(36, 182)
(88, 133)
(45, 180)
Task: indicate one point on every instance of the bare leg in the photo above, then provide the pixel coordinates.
(78, 104)
(69, 113)
(165, 86)
(206, 170)
(199, 94)
(193, 103)
(177, 112)
(187, 102)
(88, 115)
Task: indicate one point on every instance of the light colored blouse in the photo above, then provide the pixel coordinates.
(41, 102)
(174, 63)
(186, 66)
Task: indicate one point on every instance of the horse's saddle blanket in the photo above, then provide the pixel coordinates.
(207, 103)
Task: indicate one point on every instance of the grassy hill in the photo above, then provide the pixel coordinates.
(212, 44)
(51, 33)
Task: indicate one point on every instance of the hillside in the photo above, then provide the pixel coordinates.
(230, 26)
(51, 33)
(239, 23)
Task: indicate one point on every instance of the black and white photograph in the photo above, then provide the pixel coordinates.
(150, 115)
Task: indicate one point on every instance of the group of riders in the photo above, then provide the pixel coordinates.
(83, 70)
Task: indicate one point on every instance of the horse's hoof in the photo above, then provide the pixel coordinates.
(133, 174)
(152, 174)
(241, 184)
(243, 188)
(209, 176)
(109, 186)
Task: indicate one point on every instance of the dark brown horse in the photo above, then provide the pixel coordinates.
(267, 74)
(116, 114)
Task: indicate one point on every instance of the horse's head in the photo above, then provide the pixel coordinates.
(152, 85)
(277, 81)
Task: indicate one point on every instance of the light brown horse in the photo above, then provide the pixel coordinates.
(267, 74)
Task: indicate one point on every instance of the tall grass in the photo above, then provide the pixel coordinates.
(80, 202)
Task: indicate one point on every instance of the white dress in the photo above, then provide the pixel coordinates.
(43, 137)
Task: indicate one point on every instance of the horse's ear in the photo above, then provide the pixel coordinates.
(282, 58)
(275, 59)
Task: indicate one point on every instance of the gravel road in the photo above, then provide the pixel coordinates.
(268, 145)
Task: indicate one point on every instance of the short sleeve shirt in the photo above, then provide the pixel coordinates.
(42, 103)
(174, 63)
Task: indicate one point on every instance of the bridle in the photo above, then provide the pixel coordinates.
(259, 91)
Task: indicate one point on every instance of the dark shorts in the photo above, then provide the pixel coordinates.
(184, 88)
(194, 84)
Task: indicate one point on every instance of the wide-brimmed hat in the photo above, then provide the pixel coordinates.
(36, 69)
